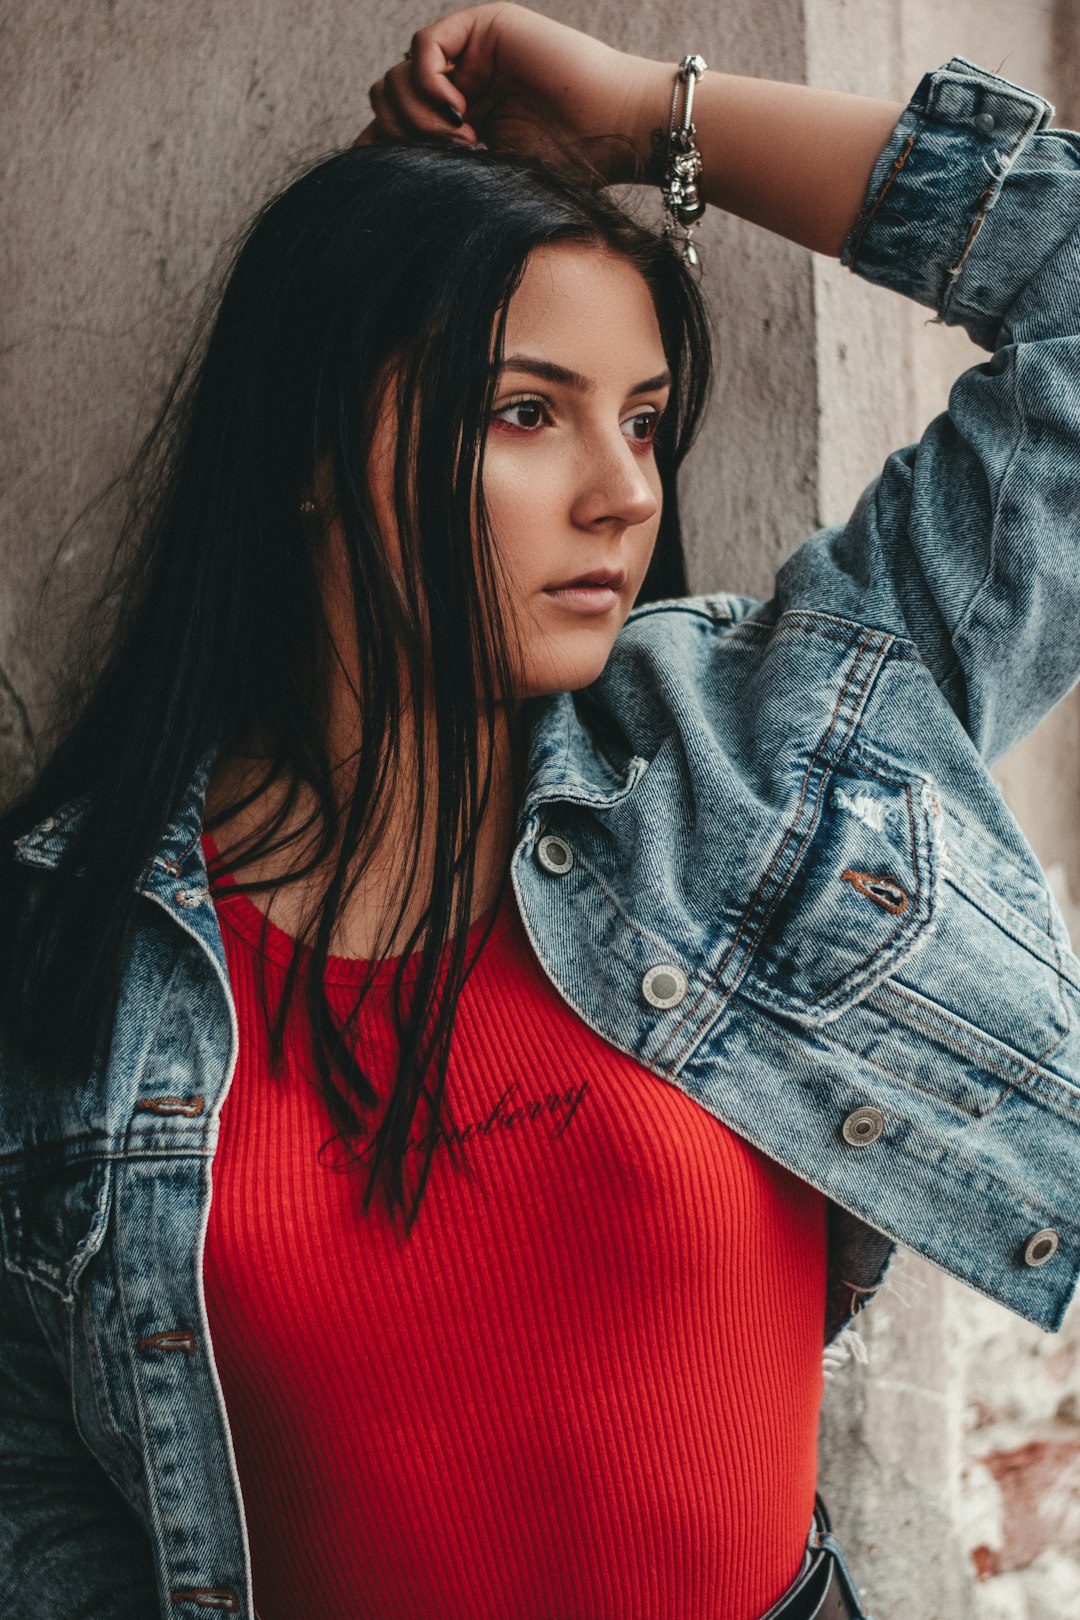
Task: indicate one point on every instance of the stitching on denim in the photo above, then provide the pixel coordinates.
(972, 833)
(73, 1151)
(868, 218)
(126, 1478)
(760, 632)
(1021, 438)
(905, 1078)
(632, 923)
(798, 621)
(759, 891)
(855, 975)
(986, 198)
(983, 1060)
(908, 1077)
(983, 1181)
(1059, 1098)
(687, 609)
(922, 1019)
(999, 169)
(34, 1301)
(1007, 916)
(108, 1416)
(181, 1142)
(153, 1515)
(1009, 920)
(1061, 992)
(989, 1183)
(60, 1280)
(856, 709)
(1038, 1062)
(48, 1276)
(39, 1278)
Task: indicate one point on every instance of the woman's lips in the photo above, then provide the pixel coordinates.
(587, 599)
(594, 591)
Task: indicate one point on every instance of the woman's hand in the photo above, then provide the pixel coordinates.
(790, 157)
(525, 83)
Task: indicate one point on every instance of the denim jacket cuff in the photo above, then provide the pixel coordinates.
(933, 186)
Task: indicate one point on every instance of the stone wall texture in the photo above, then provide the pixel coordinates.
(137, 139)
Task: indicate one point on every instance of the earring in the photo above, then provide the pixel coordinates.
(307, 506)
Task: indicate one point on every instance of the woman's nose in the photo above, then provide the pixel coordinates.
(616, 486)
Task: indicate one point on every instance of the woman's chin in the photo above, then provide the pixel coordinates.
(569, 671)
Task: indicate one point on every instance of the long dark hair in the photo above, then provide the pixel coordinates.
(395, 259)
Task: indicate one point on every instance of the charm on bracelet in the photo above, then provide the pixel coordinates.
(683, 206)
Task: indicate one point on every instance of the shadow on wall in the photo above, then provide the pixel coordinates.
(18, 756)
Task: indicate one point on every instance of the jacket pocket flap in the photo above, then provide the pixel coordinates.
(860, 896)
(52, 1222)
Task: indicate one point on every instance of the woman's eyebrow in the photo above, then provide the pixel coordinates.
(551, 372)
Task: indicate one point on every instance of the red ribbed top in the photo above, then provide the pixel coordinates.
(586, 1387)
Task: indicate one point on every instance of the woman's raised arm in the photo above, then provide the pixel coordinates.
(786, 156)
(966, 544)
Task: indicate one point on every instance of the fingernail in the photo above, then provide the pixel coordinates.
(451, 114)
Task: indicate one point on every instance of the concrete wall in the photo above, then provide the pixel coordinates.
(137, 139)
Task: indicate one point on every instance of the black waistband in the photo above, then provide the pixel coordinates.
(822, 1590)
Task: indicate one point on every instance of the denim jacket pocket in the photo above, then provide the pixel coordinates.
(929, 951)
(995, 995)
(53, 1220)
(861, 894)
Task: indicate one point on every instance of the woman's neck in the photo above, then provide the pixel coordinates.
(392, 860)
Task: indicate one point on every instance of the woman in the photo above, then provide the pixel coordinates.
(749, 972)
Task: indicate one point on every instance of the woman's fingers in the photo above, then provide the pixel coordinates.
(386, 120)
(460, 44)
(432, 67)
(448, 71)
(401, 109)
(521, 81)
(417, 110)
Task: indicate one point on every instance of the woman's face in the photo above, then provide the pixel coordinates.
(570, 478)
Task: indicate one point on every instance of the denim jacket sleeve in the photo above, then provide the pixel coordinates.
(968, 542)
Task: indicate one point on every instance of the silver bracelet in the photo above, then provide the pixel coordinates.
(683, 206)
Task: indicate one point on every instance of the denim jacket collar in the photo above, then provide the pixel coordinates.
(565, 763)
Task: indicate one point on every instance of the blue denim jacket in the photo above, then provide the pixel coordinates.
(762, 853)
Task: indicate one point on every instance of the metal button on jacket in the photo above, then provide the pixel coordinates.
(1041, 1247)
(984, 122)
(554, 854)
(863, 1126)
(664, 985)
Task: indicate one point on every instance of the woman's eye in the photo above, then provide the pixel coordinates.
(529, 413)
(644, 426)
